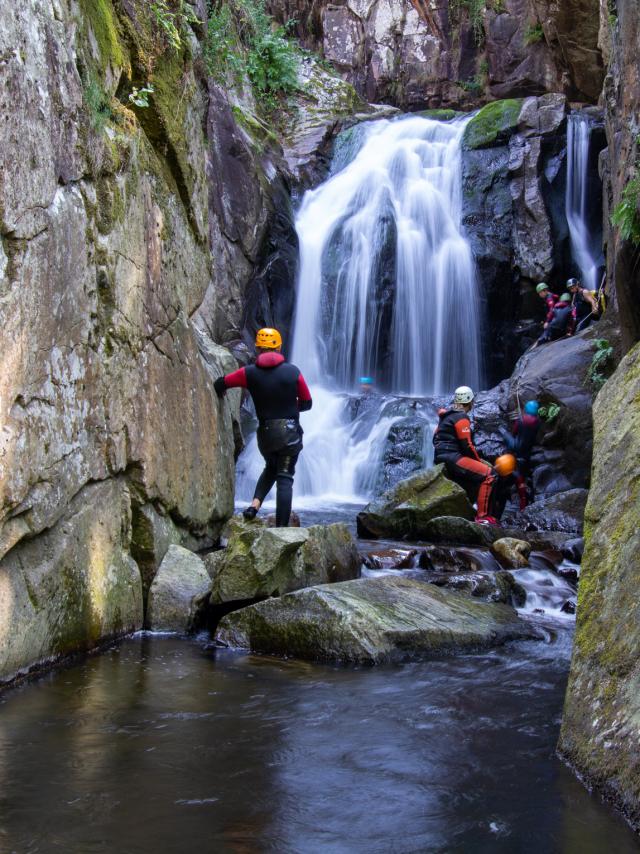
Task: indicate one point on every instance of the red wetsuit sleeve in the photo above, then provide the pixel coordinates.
(304, 395)
(551, 301)
(463, 433)
(238, 379)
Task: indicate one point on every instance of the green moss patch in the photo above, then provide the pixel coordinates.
(494, 123)
(101, 18)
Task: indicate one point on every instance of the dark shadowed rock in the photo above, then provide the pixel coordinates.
(370, 621)
(561, 512)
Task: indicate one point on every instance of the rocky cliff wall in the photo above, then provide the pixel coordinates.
(145, 218)
(620, 41)
(601, 727)
(433, 53)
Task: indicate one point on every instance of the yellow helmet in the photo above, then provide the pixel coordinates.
(268, 339)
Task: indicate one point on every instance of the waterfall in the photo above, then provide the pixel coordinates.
(387, 279)
(585, 243)
(387, 289)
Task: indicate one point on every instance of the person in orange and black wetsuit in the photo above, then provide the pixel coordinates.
(453, 442)
(280, 394)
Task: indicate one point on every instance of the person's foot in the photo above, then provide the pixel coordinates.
(487, 520)
(250, 512)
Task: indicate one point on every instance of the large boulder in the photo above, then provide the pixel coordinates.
(260, 561)
(174, 593)
(74, 586)
(405, 511)
(371, 620)
(601, 727)
(563, 511)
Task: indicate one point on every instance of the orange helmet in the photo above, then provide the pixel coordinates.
(505, 465)
(268, 339)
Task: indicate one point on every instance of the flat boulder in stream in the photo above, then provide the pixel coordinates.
(405, 511)
(175, 594)
(260, 561)
(371, 621)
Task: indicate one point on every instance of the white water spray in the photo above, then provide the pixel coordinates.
(387, 289)
(585, 248)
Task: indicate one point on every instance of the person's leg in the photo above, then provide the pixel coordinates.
(284, 488)
(485, 476)
(263, 486)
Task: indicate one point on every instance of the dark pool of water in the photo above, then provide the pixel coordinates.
(162, 745)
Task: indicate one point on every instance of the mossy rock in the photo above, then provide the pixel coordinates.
(494, 123)
(405, 511)
(440, 115)
(101, 18)
(371, 621)
(601, 727)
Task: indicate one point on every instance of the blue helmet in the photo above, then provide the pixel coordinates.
(531, 407)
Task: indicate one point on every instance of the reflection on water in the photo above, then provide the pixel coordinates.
(160, 745)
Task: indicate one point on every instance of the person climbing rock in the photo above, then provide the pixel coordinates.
(520, 442)
(453, 443)
(549, 300)
(584, 304)
(561, 322)
(279, 394)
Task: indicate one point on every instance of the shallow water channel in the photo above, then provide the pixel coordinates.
(163, 744)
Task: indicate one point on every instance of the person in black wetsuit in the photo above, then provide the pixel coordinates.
(453, 443)
(279, 393)
(583, 303)
(561, 322)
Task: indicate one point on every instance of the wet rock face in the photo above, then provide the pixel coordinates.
(601, 727)
(554, 374)
(370, 621)
(514, 175)
(414, 53)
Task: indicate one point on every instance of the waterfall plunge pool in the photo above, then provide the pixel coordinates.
(165, 745)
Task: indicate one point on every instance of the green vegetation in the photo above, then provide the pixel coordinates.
(242, 38)
(626, 215)
(101, 18)
(475, 11)
(140, 97)
(171, 20)
(549, 413)
(602, 363)
(533, 34)
(492, 123)
(98, 103)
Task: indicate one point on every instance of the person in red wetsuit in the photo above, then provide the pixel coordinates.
(550, 301)
(279, 393)
(453, 442)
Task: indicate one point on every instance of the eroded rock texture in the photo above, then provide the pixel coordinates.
(433, 53)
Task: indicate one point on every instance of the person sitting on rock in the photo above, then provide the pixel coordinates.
(453, 442)
(561, 322)
(279, 394)
(584, 305)
(549, 299)
(520, 443)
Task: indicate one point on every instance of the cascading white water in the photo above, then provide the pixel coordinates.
(387, 289)
(585, 246)
(390, 221)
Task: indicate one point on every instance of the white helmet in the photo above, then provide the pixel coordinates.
(464, 394)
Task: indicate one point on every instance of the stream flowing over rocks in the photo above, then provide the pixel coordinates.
(158, 205)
